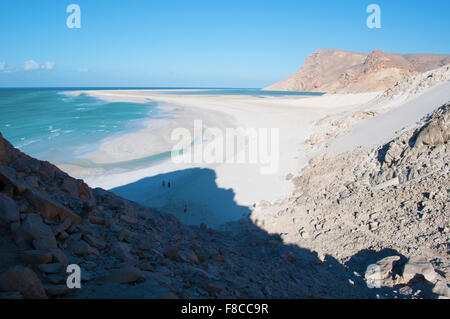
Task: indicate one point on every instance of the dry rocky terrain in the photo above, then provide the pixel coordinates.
(386, 206)
(50, 220)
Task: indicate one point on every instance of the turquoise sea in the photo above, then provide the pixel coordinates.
(50, 125)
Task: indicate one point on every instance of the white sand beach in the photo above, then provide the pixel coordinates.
(209, 188)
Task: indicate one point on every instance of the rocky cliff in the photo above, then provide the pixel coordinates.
(338, 71)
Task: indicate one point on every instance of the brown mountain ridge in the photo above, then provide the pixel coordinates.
(338, 71)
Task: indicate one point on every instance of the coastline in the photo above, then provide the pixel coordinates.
(201, 193)
(293, 115)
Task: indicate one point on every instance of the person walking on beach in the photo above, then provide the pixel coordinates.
(168, 184)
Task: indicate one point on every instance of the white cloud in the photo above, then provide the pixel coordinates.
(83, 70)
(48, 65)
(30, 65)
(33, 65)
(2, 65)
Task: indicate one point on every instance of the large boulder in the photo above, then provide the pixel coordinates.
(419, 265)
(433, 134)
(23, 280)
(7, 177)
(9, 212)
(82, 248)
(394, 152)
(33, 231)
(441, 289)
(379, 274)
(48, 208)
(78, 189)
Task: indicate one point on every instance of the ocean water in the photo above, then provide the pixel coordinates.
(49, 125)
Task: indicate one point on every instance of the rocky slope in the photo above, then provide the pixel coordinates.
(413, 86)
(365, 205)
(49, 220)
(338, 71)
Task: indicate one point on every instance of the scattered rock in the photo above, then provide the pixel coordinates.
(125, 235)
(96, 220)
(406, 291)
(9, 212)
(23, 280)
(7, 177)
(442, 289)
(122, 251)
(43, 243)
(53, 268)
(95, 242)
(379, 274)
(36, 257)
(172, 253)
(63, 226)
(188, 256)
(419, 265)
(48, 208)
(214, 287)
(55, 279)
(57, 290)
(33, 228)
(432, 135)
(128, 219)
(391, 182)
(125, 275)
(59, 256)
(82, 248)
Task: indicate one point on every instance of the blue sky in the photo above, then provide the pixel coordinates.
(190, 43)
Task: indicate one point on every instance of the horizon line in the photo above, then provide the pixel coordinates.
(125, 87)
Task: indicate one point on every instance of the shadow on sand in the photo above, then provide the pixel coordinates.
(286, 271)
(191, 195)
